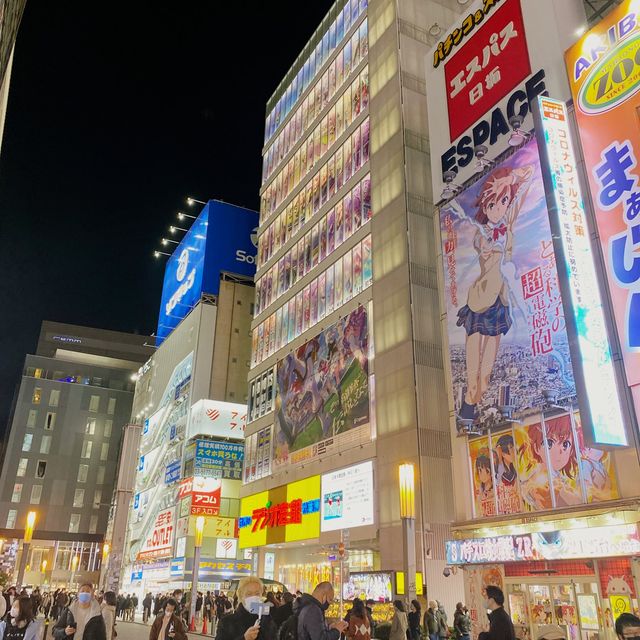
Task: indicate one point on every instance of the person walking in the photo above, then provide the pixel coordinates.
(168, 625)
(415, 620)
(21, 623)
(443, 622)
(399, 623)
(108, 611)
(284, 611)
(431, 620)
(462, 622)
(358, 619)
(242, 623)
(133, 608)
(147, 603)
(500, 625)
(208, 607)
(310, 610)
(82, 619)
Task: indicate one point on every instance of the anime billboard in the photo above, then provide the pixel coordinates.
(323, 391)
(505, 321)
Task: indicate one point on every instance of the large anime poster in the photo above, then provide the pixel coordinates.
(323, 391)
(506, 329)
(483, 464)
(506, 476)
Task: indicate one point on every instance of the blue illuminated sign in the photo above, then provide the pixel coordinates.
(223, 459)
(222, 239)
(172, 472)
(136, 576)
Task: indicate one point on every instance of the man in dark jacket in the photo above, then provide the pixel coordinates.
(500, 625)
(310, 611)
(284, 611)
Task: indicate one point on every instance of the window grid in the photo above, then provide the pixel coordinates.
(12, 516)
(45, 444)
(23, 463)
(17, 492)
(36, 494)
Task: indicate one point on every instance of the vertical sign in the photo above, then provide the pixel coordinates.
(593, 367)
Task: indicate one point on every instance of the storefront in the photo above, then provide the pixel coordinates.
(579, 577)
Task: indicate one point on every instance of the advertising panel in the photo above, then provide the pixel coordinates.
(487, 69)
(204, 494)
(369, 586)
(172, 472)
(603, 69)
(159, 541)
(226, 548)
(595, 375)
(594, 542)
(323, 391)
(347, 498)
(215, 418)
(209, 568)
(218, 459)
(195, 266)
(505, 320)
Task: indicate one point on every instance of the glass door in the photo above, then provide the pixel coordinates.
(565, 611)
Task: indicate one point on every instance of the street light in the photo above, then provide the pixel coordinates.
(103, 567)
(408, 516)
(182, 216)
(197, 543)
(165, 241)
(157, 254)
(190, 201)
(173, 229)
(26, 543)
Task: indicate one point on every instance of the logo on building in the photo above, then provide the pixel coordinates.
(183, 262)
(213, 414)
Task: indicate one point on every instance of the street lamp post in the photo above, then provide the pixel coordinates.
(104, 567)
(74, 566)
(408, 516)
(197, 543)
(26, 543)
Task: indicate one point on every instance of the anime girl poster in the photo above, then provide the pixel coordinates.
(507, 338)
(483, 464)
(367, 264)
(506, 475)
(339, 223)
(331, 231)
(357, 269)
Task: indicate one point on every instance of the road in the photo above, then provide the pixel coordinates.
(139, 631)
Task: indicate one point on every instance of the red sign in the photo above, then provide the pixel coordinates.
(487, 68)
(205, 495)
(277, 515)
(159, 542)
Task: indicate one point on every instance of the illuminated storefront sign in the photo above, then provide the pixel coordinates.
(172, 472)
(209, 567)
(205, 494)
(595, 542)
(604, 74)
(159, 542)
(283, 514)
(218, 459)
(215, 418)
(593, 367)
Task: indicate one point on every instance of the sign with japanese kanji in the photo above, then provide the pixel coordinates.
(159, 541)
(604, 75)
(216, 418)
(219, 459)
(205, 495)
(489, 67)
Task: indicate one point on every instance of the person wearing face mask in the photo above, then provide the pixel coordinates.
(168, 625)
(242, 624)
(500, 625)
(21, 623)
(311, 609)
(82, 620)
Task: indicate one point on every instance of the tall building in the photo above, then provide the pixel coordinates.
(74, 398)
(347, 379)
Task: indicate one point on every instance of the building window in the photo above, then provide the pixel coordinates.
(93, 524)
(22, 467)
(83, 472)
(33, 416)
(97, 498)
(45, 444)
(104, 451)
(28, 440)
(91, 426)
(87, 445)
(78, 498)
(41, 468)
(74, 523)
(50, 421)
(108, 427)
(111, 407)
(37, 395)
(94, 404)
(100, 476)
(17, 493)
(54, 397)
(11, 518)
(36, 493)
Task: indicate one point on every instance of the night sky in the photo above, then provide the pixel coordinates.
(117, 112)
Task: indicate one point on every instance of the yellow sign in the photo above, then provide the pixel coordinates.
(309, 491)
(400, 583)
(620, 604)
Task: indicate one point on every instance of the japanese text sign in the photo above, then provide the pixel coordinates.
(215, 418)
(604, 75)
(159, 542)
(221, 459)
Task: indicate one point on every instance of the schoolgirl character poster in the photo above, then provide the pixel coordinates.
(506, 328)
(483, 463)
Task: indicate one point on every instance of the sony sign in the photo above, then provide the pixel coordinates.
(243, 256)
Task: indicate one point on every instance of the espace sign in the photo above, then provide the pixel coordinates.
(490, 66)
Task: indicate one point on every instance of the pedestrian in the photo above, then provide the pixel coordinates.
(147, 604)
(82, 619)
(415, 620)
(242, 623)
(21, 623)
(36, 601)
(168, 625)
(9, 597)
(462, 622)
(208, 607)
(399, 622)
(310, 609)
(443, 622)
(133, 608)
(108, 610)
(199, 603)
(359, 625)
(627, 626)
(500, 625)
(284, 611)
(431, 620)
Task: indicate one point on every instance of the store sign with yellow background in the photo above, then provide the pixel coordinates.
(604, 74)
(284, 514)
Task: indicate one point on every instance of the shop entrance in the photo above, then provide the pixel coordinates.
(550, 609)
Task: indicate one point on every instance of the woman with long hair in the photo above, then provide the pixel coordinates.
(415, 620)
(359, 625)
(21, 623)
(399, 623)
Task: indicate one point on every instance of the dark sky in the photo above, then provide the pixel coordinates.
(117, 111)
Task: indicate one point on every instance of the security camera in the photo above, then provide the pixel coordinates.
(446, 572)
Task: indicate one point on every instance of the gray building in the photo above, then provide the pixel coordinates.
(61, 453)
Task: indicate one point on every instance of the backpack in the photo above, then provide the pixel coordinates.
(289, 628)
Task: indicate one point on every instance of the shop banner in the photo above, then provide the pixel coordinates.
(204, 495)
(507, 337)
(172, 472)
(323, 392)
(218, 459)
(209, 567)
(216, 418)
(604, 75)
(159, 542)
(488, 68)
(568, 544)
